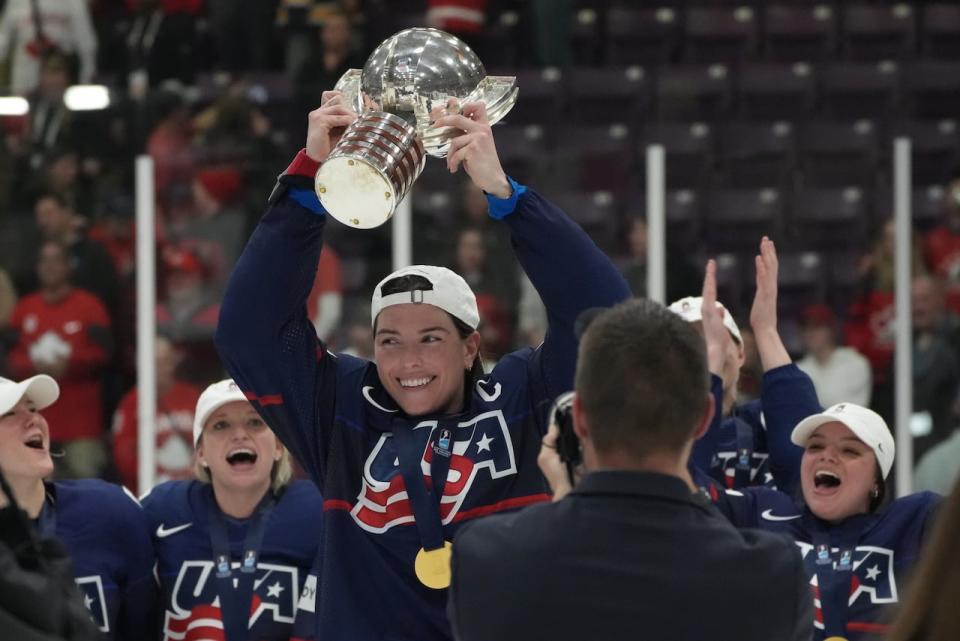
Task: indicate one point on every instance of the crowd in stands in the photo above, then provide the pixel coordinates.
(217, 91)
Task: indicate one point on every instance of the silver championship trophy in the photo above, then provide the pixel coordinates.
(410, 80)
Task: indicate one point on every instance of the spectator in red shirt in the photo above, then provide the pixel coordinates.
(176, 401)
(870, 328)
(941, 246)
(64, 331)
(188, 314)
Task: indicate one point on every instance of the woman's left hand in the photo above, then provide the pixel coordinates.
(475, 150)
(763, 315)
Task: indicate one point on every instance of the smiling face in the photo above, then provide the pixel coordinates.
(238, 448)
(25, 443)
(837, 473)
(421, 359)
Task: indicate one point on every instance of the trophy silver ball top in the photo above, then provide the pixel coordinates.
(413, 78)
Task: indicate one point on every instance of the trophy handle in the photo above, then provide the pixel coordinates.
(498, 93)
(349, 86)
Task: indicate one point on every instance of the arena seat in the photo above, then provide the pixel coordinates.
(860, 89)
(874, 32)
(774, 91)
(720, 34)
(641, 36)
(688, 150)
(755, 154)
(799, 32)
(694, 92)
(939, 31)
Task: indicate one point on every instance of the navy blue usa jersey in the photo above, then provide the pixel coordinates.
(752, 446)
(857, 567)
(177, 512)
(333, 414)
(104, 530)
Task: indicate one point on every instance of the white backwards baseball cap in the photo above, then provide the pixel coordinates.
(41, 389)
(690, 309)
(213, 398)
(866, 424)
(450, 293)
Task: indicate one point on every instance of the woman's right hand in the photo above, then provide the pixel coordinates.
(327, 124)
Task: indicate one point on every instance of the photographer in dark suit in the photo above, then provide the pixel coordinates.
(631, 552)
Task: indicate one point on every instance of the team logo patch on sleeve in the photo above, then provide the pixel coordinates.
(91, 587)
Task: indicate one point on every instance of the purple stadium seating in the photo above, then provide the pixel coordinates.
(874, 32)
(799, 32)
(830, 218)
(586, 39)
(837, 154)
(860, 89)
(593, 157)
(689, 151)
(773, 91)
(755, 154)
(539, 100)
(694, 92)
(935, 146)
(932, 89)
(735, 219)
(641, 36)
(682, 212)
(802, 281)
(720, 34)
(597, 212)
(524, 151)
(939, 30)
(603, 95)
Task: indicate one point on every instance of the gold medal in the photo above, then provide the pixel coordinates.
(433, 566)
(835, 639)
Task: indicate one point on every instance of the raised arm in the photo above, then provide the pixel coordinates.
(763, 314)
(787, 394)
(716, 336)
(265, 340)
(567, 269)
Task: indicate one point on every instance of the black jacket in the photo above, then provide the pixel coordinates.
(627, 555)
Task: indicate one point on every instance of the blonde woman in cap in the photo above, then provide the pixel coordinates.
(409, 446)
(234, 547)
(101, 526)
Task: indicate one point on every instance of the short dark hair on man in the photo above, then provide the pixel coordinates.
(642, 379)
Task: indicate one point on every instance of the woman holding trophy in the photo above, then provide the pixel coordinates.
(411, 445)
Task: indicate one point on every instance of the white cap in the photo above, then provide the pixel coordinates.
(450, 293)
(868, 426)
(690, 309)
(212, 399)
(41, 389)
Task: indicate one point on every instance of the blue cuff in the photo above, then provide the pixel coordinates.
(307, 198)
(500, 208)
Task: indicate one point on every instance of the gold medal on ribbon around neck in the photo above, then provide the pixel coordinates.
(433, 566)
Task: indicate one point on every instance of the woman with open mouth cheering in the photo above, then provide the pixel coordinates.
(857, 547)
(235, 546)
(101, 526)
